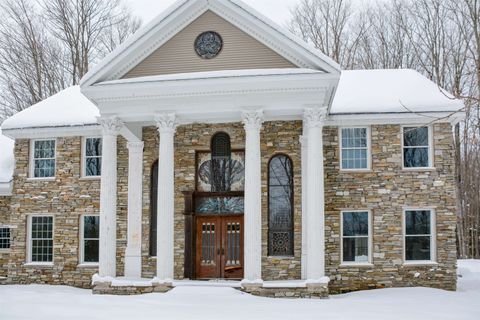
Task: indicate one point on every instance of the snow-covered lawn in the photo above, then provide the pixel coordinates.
(49, 302)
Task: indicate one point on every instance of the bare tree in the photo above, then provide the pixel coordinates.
(31, 65)
(88, 29)
(326, 24)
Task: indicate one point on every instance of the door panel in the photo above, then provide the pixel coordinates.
(219, 248)
(208, 247)
(232, 247)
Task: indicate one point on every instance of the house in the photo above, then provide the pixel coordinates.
(214, 145)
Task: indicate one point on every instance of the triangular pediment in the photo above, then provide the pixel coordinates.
(238, 51)
(166, 45)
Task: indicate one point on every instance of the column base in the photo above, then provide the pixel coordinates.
(133, 264)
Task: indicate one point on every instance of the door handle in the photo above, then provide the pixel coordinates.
(218, 251)
(223, 251)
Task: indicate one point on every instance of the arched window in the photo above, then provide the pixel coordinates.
(153, 209)
(221, 162)
(280, 206)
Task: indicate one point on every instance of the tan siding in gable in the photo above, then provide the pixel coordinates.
(240, 51)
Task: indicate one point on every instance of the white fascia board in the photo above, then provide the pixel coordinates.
(402, 118)
(53, 132)
(6, 189)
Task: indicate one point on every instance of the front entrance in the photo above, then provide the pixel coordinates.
(219, 247)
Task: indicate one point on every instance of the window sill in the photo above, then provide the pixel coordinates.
(419, 263)
(88, 265)
(39, 264)
(281, 257)
(40, 179)
(420, 169)
(90, 178)
(356, 265)
(5, 251)
(355, 170)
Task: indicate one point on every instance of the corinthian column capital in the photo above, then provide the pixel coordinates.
(253, 119)
(166, 122)
(110, 125)
(314, 118)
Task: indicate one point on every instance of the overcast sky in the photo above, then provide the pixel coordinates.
(277, 10)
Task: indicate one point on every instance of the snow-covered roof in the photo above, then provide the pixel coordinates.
(69, 107)
(390, 91)
(6, 159)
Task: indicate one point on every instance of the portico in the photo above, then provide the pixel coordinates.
(127, 125)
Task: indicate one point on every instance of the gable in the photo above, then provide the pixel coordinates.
(240, 51)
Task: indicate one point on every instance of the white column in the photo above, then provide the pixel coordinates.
(108, 197)
(133, 252)
(304, 155)
(314, 119)
(253, 198)
(166, 124)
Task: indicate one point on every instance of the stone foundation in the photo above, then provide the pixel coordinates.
(106, 288)
(310, 291)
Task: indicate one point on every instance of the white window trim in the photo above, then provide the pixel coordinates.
(10, 248)
(32, 160)
(82, 239)
(29, 261)
(83, 174)
(431, 160)
(369, 149)
(370, 241)
(433, 238)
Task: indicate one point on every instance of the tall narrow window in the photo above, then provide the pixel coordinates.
(356, 237)
(221, 162)
(280, 206)
(41, 239)
(354, 148)
(90, 235)
(43, 154)
(4, 238)
(419, 245)
(416, 147)
(92, 155)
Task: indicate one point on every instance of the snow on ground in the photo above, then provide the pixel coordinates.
(49, 302)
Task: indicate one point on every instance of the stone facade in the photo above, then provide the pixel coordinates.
(4, 221)
(67, 198)
(385, 190)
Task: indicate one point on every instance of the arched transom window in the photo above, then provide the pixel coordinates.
(280, 206)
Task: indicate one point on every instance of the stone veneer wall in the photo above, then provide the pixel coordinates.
(5, 221)
(386, 190)
(66, 197)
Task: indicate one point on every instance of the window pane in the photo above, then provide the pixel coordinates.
(417, 248)
(91, 227)
(4, 238)
(90, 252)
(354, 148)
(415, 157)
(417, 222)
(220, 205)
(415, 137)
(280, 200)
(44, 168)
(93, 167)
(44, 149)
(93, 147)
(42, 235)
(355, 249)
(355, 224)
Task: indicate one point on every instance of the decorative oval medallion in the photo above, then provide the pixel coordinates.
(208, 45)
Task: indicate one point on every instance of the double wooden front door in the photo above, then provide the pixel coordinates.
(219, 247)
